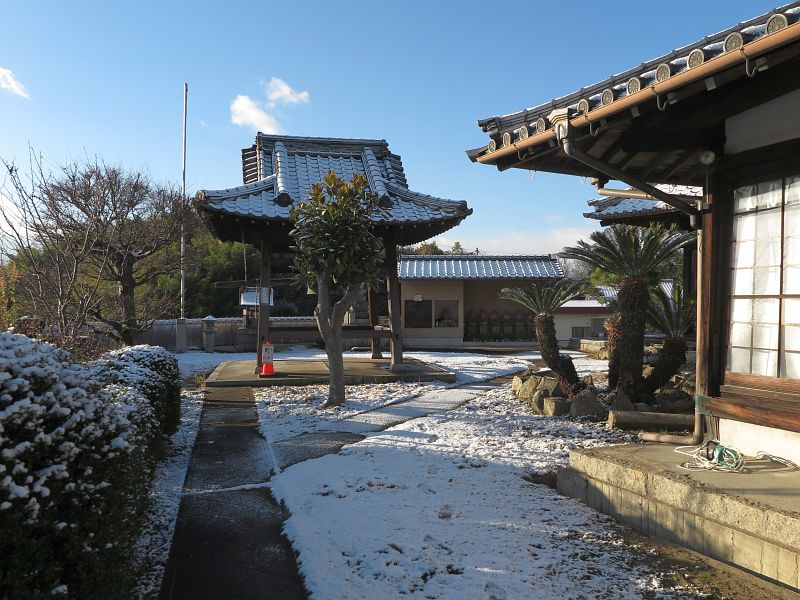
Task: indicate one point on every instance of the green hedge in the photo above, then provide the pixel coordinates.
(78, 447)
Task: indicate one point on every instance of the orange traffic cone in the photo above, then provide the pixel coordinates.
(267, 353)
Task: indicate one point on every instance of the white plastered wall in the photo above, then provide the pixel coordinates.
(434, 290)
(751, 439)
(770, 123)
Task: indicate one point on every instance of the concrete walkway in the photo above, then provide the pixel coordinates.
(228, 541)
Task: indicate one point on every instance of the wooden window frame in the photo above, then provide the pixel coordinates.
(784, 167)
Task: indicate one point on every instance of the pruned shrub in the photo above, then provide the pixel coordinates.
(154, 372)
(75, 464)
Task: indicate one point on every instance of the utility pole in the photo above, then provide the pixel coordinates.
(180, 324)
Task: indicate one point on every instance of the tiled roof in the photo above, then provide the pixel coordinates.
(479, 267)
(609, 208)
(279, 170)
(507, 129)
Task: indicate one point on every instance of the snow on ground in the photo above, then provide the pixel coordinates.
(288, 411)
(438, 508)
(165, 494)
(469, 366)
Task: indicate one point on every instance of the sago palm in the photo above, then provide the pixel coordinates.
(672, 313)
(634, 254)
(543, 299)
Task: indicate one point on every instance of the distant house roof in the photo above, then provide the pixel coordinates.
(589, 306)
(607, 293)
(278, 172)
(611, 209)
(459, 267)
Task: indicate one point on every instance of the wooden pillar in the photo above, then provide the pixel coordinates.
(375, 343)
(393, 289)
(705, 286)
(265, 284)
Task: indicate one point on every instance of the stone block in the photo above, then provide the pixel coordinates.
(551, 384)
(516, 384)
(747, 551)
(621, 402)
(769, 561)
(555, 407)
(666, 522)
(717, 541)
(573, 484)
(628, 508)
(537, 401)
(528, 387)
(584, 404)
(787, 567)
(691, 531)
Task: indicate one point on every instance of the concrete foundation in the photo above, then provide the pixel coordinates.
(749, 519)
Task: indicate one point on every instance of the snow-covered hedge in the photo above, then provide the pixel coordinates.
(77, 451)
(154, 372)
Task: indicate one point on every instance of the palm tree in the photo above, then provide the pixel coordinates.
(543, 300)
(612, 346)
(634, 254)
(671, 313)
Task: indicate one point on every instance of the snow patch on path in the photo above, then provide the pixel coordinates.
(438, 508)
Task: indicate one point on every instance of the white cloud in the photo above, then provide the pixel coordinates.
(554, 218)
(10, 83)
(519, 242)
(246, 112)
(280, 92)
(203, 123)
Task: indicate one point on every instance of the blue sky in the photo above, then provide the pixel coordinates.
(106, 79)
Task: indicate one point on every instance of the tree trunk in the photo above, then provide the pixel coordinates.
(127, 294)
(612, 327)
(633, 298)
(333, 348)
(548, 346)
(670, 359)
(329, 321)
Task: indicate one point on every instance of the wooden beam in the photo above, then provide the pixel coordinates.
(265, 280)
(393, 288)
(373, 321)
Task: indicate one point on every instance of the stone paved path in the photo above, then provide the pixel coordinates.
(228, 542)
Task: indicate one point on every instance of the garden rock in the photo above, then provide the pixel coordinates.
(621, 402)
(516, 383)
(643, 407)
(537, 401)
(552, 385)
(555, 407)
(584, 404)
(528, 387)
(674, 400)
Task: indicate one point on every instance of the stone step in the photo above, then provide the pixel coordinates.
(749, 519)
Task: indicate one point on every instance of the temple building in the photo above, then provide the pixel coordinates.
(720, 114)
(277, 174)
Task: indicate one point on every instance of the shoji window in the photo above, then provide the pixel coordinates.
(765, 284)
